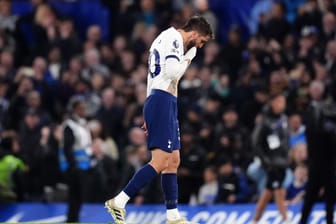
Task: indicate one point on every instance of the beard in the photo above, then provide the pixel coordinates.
(191, 44)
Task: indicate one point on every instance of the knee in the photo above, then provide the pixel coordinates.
(160, 163)
(174, 163)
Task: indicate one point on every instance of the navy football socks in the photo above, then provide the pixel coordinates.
(139, 180)
(169, 187)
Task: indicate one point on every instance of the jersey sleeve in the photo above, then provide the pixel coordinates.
(173, 49)
(174, 58)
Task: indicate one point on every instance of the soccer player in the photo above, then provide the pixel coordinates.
(170, 54)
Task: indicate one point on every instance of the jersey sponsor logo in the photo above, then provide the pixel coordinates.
(154, 63)
(176, 44)
(173, 50)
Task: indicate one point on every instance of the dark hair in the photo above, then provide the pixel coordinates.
(74, 102)
(282, 6)
(276, 95)
(212, 168)
(199, 24)
(301, 165)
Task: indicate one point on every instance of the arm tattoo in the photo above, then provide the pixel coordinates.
(173, 85)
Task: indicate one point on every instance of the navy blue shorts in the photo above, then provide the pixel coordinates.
(160, 113)
(275, 178)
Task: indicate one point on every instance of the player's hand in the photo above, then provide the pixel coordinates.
(191, 53)
(144, 128)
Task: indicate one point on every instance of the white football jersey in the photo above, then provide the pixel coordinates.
(169, 44)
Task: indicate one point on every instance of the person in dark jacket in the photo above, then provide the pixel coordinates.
(232, 185)
(321, 138)
(270, 142)
(102, 175)
(190, 172)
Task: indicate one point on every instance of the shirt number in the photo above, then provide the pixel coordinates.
(154, 63)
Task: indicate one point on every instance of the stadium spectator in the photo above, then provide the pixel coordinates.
(260, 8)
(67, 40)
(308, 14)
(29, 140)
(11, 34)
(102, 174)
(93, 36)
(55, 63)
(329, 24)
(7, 62)
(110, 146)
(51, 173)
(209, 189)
(133, 116)
(250, 109)
(330, 56)
(4, 104)
(202, 8)
(228, 183)
(12, 169)
(44, 28)
(232, 186)
(297, 130)
(275, 26)
(148, 15)
(191, 168)
(232, 53)
(298, 154)
(297, 189)
(33, 102)
(112, 124)
(92, 63)
(232, 140)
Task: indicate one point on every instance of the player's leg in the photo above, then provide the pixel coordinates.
(170, 186)
(143, 176)
(280, 196)
(265, 197)
(157, 119)
(170, 189)
(169, 175)
(279, 176)
(116, 205)
(275, 179)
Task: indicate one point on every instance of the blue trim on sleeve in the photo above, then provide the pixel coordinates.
(172, 56)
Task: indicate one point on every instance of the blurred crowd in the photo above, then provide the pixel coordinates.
(225, 92)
